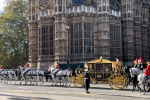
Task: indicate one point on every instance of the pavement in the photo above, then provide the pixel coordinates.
(48, 92)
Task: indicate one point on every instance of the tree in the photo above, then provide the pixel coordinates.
(14, 33)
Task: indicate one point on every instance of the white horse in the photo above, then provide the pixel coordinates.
(28, 74)
(41, 76)
(4, 76)
(140, 77)
(12, 76)
(142, 81)
(68, 79)
(59, 75)
(134, 72)
(31, 75)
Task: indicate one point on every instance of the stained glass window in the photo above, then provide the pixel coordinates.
(117, 44)
(51, 44)
(111, 36)
(88, 35)
(71, 50)
(80, 27)
(80, 34)
(88, 27)
(111, 50)
(111, 43)
(76, 34)
(110, 29)
(51, 36)
(71, 42)
(117, 30)
(117, 37)
(51, 29)
(76, 50)
(118, 51)
(80, 42)
(76, 42)
(75, 27)
(80, 49)
(88, 50)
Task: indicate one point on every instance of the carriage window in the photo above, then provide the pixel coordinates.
(107, 67)
(99, 67)
(91, 66)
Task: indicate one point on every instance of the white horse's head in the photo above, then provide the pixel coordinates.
(51, 68)
(135, 71)
(21, 68)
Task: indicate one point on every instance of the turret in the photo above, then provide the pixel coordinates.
(103, 28)
(127, 32)
(60, 31)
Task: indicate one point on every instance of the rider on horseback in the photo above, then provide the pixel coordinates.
(57, 68)
(1, 68)
(27, 66)
(147, 71)
(136, 63)
(140, 63)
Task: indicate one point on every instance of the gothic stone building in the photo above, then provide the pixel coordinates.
(107, 28)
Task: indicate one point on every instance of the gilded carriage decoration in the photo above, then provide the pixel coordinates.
(102, 71)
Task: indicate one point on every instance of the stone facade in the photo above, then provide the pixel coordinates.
(107, 28)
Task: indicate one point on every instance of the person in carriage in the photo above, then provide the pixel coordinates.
(147, 71)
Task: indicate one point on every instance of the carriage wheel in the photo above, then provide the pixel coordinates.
(126, 80)
(78, 82)
(77, 71)
(117, 81)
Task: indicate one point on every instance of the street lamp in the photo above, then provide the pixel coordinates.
(68, 61)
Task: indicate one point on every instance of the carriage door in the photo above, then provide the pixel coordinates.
(107, 70)
(99, 72)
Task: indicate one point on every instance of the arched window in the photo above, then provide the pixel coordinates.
(78, 2)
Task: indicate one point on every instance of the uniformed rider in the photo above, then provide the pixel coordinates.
(147, 71)
(118, 64)
(57, 68)
(136, 63)
(27, 68)
(140, 63)
(1, 68)
(87, 80)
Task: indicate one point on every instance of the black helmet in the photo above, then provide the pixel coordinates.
(117, 57)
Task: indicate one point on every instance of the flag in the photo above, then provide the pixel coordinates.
(141, 60)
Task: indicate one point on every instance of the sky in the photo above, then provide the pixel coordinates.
(2, 5)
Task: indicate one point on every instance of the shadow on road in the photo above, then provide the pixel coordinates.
(14, 97)
(104, 88)
(134, 97)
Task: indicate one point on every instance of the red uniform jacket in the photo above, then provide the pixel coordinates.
(58, 67)
(28, 65)
(2, 67)
(118, 64)
(147, 71)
